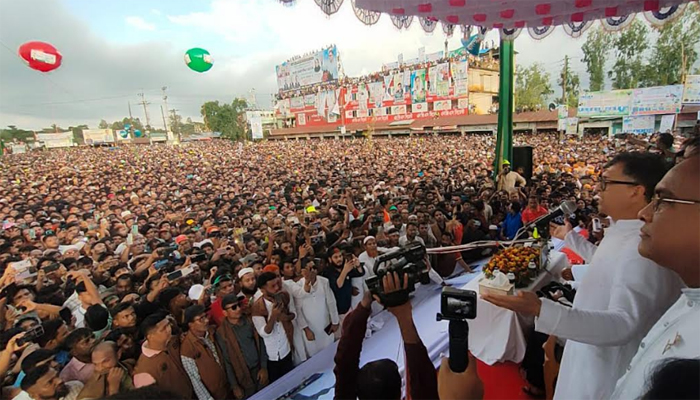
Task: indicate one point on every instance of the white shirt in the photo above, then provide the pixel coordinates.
(276, 342)
(675, 335)
(621, 296)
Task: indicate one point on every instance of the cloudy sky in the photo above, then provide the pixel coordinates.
(113, 50)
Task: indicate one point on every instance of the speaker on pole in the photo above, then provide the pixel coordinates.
(522, 158)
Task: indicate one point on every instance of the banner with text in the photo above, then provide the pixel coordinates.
(317, 67)
(613, 103)
(656, 100)
(644, 124)
(691, 90)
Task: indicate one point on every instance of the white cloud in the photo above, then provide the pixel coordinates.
(155, 11)
(140, 23)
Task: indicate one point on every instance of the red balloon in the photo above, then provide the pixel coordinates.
(40, 56)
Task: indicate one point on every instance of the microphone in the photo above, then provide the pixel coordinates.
(567, 207)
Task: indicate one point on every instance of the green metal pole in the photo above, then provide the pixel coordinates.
(504, 138)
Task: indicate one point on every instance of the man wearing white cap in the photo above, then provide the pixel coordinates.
(246, 280)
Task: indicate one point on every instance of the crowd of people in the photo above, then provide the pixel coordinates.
(211, 269)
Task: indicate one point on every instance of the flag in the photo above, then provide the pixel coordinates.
(473, 44)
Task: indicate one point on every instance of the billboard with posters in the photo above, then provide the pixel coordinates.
(98, 136)
(639, 125)
(656, 100)
(611, 103)
(691, 89)
(317, 67)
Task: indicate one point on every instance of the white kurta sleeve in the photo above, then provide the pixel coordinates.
(330, 301)
(636, 289)
(298, 314)
(580, 245)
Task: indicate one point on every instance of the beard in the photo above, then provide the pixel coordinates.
(61, 391)
(248, 292)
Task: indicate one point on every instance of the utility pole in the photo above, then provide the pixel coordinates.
(563, 81)
(145, 104)
(165, 101)
(165, 124)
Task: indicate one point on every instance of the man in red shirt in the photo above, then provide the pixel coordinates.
(533, 210)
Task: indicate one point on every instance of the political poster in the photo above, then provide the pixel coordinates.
(442, 105)
(463, 103)
(376, 93)
(432, 81)
(418, 86)
(256, 127)
(572, 126)
(98, 136)
(639, 124)
(656, 100)
(612, 103)
(443, 79)
(691, 90)
(419, 107)
(301, 119)
(667, 123)
(460, 76)
(317, 67)
(398, 110)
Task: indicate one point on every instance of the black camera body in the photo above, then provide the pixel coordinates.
(410, 261)
(457, 306)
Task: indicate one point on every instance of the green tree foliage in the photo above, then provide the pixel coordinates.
(629, 47)
(103, 124)
(226, 118)
(595, 51)
(119, 125)
(78, 132)
(570, 80)
(675, 49)
(532, 87)
(12, 133)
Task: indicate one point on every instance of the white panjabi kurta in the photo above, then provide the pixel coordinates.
(620, 298)
(299, 322)
(320, 309)
(675, 335)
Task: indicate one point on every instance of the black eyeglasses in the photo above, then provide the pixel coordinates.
(657, 200)
(232, 308)
(605, 182)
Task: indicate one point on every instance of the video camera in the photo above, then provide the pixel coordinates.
(410, 261)
(457, 306)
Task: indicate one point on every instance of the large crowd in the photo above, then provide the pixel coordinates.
(212, 269)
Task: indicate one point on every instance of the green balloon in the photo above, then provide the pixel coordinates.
(198, 60)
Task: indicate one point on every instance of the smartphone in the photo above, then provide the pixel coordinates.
(51, 268)
(65, 315)
(160, 264)
(328, 329)
(279, 232)
(597, 226)
(342, 207)
(198, 257)
(32, 234)
(180, 273)
(31, 335)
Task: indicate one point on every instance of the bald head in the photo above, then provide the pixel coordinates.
(671, 233)
(104, 356)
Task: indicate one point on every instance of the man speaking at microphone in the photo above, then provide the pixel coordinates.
(621, 295)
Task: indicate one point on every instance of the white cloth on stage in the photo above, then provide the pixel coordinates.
(675, 335)
(619, 299)
(496, 334)
(320, 309)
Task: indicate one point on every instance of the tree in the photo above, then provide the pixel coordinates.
(78, 132)
(532, 87)
(570, 81)
(226, 118)
(103, 124)
(676, 49)
(629, 46)
(595, 51)
(13, 133)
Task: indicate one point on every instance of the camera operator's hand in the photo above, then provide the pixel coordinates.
(459, 386)
(392, 283)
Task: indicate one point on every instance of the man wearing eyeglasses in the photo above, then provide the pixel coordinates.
(244, 351)
(671, 237)
(620, 297)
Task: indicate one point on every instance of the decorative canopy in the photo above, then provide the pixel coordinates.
(515, 13)
(538, 17)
